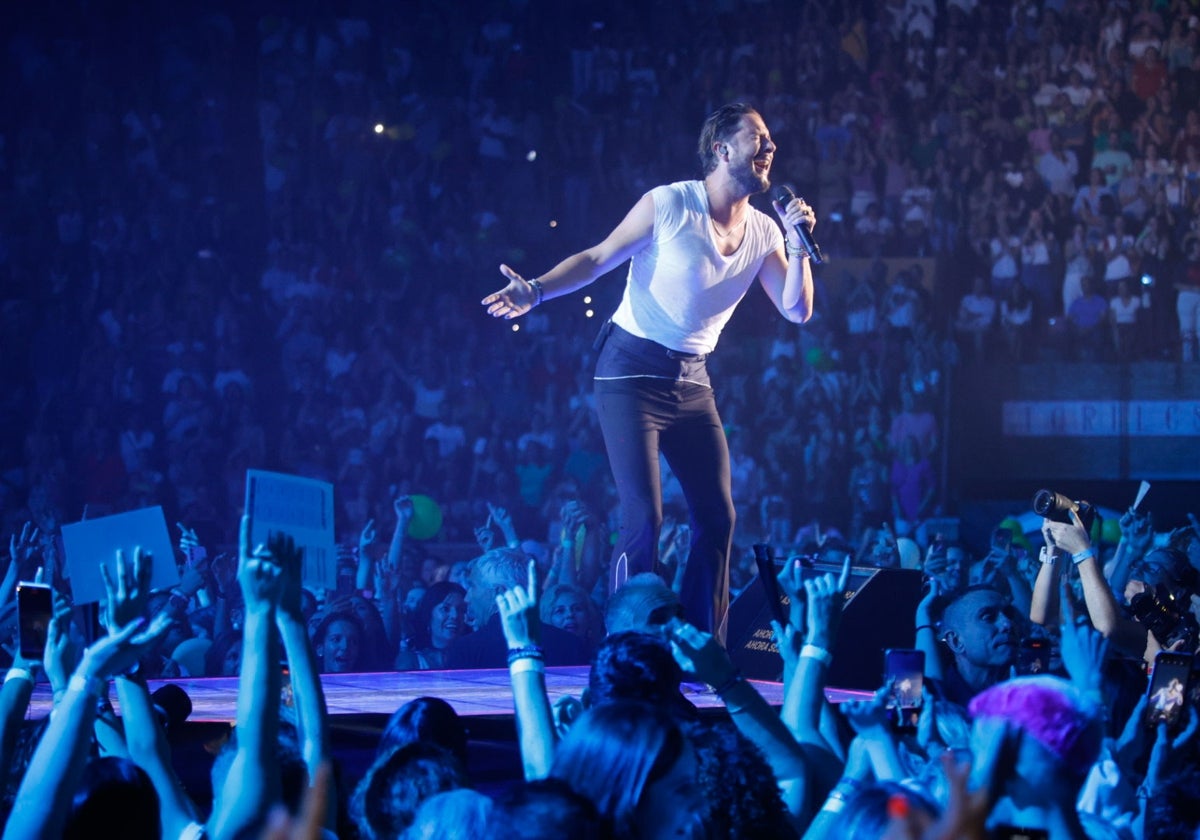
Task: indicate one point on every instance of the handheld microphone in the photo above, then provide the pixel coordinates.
(784, 197)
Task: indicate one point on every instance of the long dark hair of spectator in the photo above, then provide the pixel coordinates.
(423, 614)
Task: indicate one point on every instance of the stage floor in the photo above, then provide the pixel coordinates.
(473, 694)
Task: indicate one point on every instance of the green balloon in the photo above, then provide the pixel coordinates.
(426, 519)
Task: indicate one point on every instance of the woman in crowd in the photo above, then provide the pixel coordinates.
(439, 619)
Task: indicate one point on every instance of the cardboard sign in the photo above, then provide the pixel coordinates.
(93, 542)
(302, 508)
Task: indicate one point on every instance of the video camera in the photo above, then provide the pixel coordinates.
(1057, 508)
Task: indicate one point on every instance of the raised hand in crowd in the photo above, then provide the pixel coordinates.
(308, 697)
(252, 781)
(701, 655)
(23, 549)
(364, 576)
(504, 521)
(520, 620)
(1137, 537)
(52, 778)
(1071, 540)
(127, 590)
(871, 722)
(1169, 755)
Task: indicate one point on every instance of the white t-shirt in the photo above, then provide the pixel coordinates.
(1125, 313)
(681, 291)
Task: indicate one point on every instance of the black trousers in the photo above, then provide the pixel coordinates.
(651, 399)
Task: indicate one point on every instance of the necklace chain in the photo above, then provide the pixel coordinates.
(729, 232)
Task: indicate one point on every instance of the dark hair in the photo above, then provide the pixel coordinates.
(117, 797)
(720, 125)
(387, 798)
(422, 616)
(738, 786)
(634, 666)
(347, 615)
(613, 753)
(430, 720)
(546, 809)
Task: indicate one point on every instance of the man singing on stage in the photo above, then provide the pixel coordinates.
(695, 248)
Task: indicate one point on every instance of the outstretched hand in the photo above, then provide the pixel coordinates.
(128, 595)
(22, 548)
(118, 652)
(700, 654)
(514, 300)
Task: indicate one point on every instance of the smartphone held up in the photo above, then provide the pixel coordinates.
(35, 608)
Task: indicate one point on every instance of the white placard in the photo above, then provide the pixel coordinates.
(302, 508)
(93, 542)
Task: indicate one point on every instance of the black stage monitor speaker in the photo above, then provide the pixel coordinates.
(878, 614)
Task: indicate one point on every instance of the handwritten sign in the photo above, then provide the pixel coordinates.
(303, 509)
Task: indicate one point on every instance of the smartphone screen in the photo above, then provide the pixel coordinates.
(768, 577)
(35, 606)
(904, 671)
(1167, 693)
(1033, 657)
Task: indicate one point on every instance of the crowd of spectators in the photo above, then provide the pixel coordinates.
(237, 239)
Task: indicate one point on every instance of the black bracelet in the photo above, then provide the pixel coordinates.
(537, 290)
(734, 679)
(529, 652)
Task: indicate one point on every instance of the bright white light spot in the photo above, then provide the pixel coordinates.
(379, 128)
(516, 327)
(587, 299)
(589, 313)
(531, 155)
(554, 223)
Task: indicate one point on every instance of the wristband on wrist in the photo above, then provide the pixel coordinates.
(528, 663)
(93, 686)
(1083, 555)
(817, 653)
(796, 252)
(1046, 555)
(538, 290)
(19, 674)
(526, 652)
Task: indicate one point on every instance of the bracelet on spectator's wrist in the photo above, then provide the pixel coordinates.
(817, 653)
(525, 652)
(1083, 555)
(527, 664)
(93, 686)
(538, 290)
(16, 673)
